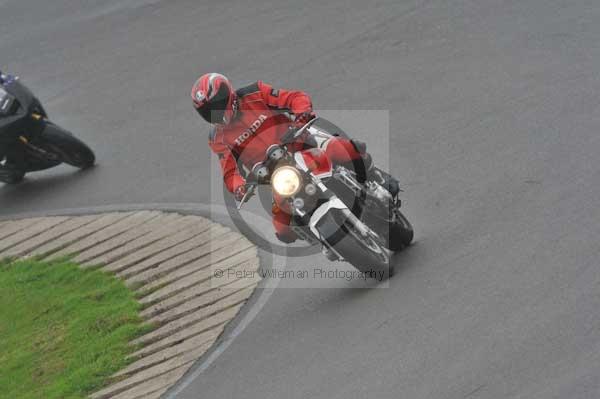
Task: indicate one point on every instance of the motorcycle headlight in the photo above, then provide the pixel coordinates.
(286, 181)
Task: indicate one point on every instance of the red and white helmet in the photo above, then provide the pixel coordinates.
(214, 98)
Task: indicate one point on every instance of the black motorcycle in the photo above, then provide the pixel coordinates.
(29, 141)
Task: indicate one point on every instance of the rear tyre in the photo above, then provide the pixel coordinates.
(397, 232)
(390, 224)
(69, 148)
(401, 231)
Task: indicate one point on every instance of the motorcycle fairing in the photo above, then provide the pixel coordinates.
(20, 122)
(8, 103)
(315, 161)
(320, 212)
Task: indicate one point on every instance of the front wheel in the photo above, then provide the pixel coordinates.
(365, 252)
(67, 147)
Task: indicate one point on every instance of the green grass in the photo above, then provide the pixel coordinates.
(63, 330)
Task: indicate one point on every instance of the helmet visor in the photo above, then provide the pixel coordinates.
(214, 109)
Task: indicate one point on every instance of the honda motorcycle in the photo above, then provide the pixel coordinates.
(354, 220)
(29, 141)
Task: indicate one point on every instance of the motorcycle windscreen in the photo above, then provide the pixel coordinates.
(329, 128)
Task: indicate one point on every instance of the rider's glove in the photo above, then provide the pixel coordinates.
(239, 193)
(303, 118)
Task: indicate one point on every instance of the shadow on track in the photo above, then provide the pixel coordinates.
(405, 260)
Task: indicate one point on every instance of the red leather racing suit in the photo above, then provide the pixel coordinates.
(259, 123)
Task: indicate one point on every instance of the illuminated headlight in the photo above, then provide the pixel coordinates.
(286, 181)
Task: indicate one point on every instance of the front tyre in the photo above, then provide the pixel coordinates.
(365, 252)
(69, 148)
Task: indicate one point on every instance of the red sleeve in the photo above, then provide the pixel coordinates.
(295, 101)
(231, 176)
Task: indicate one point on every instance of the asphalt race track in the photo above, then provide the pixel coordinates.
(495, 115)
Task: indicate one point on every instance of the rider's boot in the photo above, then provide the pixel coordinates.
(384, 179)
(10, 174)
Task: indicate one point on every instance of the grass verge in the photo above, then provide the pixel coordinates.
(63, 330)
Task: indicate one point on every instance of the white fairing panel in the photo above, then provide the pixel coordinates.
(333, 203)
(300, 161)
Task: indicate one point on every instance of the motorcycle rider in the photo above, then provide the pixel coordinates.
(9, 160)
(249, 120)
(29, 141)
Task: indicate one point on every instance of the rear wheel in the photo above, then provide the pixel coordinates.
(389, 223)
(397, 232)
(401, 231)
(69, 148)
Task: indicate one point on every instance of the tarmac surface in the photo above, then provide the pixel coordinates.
(495, 120)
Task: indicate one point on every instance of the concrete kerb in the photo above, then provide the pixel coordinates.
(234, 327)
